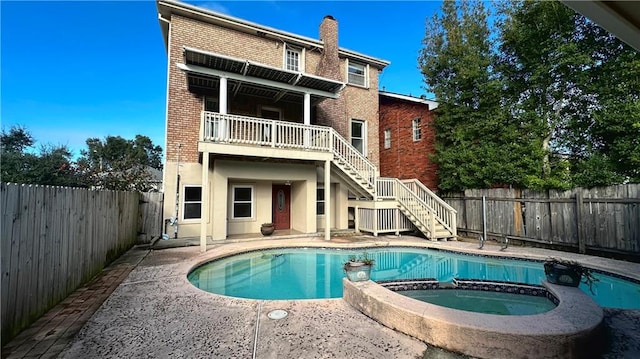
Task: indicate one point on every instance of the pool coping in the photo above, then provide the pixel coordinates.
(562, 332)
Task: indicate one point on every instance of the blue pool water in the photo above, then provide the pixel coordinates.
(299, 273)
(499, 303)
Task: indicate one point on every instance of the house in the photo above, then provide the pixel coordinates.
(268, 126)
(407, 138)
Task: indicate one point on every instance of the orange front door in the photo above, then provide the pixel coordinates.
(281, 206)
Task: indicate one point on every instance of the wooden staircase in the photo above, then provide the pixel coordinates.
(430, 214)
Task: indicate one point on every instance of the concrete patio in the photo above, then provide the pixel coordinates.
(155, 312)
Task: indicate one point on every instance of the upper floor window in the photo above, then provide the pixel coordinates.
(292, 59)
(387, 138)
(211, 104)
(415, 126)
(358, 138)
(192, 202)
(357, 74)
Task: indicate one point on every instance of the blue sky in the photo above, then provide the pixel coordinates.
(78, 69)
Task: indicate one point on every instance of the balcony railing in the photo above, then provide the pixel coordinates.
(234, 129)
(424, 205)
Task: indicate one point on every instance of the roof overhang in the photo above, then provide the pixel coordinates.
(168, 7)
(210, 64)
(621, 18)
(431, 103)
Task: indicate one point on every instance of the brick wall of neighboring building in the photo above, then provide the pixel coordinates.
(406, 158)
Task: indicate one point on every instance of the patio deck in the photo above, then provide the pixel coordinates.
(148, 309)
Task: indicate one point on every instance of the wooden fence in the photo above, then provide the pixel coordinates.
(605, 219)
(150, 216)
(54, 239)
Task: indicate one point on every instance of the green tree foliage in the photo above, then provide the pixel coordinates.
(120, 164)
(478, 144)
(582, 83)
(51, 165)
(552, 103)
(115, 163)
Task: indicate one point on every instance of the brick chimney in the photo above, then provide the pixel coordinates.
(331, 112)
(329, 63)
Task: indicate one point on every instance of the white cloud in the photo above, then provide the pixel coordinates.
(215, 6)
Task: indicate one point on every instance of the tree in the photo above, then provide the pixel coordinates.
(478, 143)
(52, 165)
(120, 164)
(615, 126)
(580, 84)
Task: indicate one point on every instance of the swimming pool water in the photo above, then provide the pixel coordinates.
(308, 273)
(483, 301)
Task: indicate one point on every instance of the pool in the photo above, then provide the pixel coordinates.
(303, 273)
(483, 302)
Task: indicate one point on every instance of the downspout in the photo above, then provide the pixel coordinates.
(175, 218)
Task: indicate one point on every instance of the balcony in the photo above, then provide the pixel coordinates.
(251, 136)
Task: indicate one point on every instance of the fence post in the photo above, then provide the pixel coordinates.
(579, 204)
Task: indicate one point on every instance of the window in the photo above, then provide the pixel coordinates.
(292, 59)
(192, 202)
(387, 138)
(271, 113)
(358, 135)
(320, 201)
(357, 74)
(415, 126)
(211, 104)
(242, 202)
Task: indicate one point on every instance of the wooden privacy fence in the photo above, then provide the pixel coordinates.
(150, 216)
(606, 218)
(54, 239)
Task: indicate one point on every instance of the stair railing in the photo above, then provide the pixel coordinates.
(419, 209)
(343, 151)
(444, 213)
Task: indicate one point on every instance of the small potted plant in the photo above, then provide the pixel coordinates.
(267, 229)
(358, 269)
(569, 273)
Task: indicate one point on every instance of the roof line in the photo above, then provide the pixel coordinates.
(167, 7)
(409, 98)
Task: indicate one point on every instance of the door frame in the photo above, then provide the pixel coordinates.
(275, 188)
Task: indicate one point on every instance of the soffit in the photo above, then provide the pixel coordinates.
(250, 69)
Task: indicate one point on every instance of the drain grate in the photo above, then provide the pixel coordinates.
(277, 314)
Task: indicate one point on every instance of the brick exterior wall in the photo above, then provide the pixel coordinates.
(407, 159)
(355, 102)
(184, 107)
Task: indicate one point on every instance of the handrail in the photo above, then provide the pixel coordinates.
(416, 206)
(445, 214)
(385, 188)
(259, 131)
(421, 202)
(344, 151)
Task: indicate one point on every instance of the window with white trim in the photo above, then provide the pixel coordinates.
(320, 201)
(292, 59)
(358, 135)
(417, 132)
(387, 138)
(242, 197)
(357, 73)
(192, 202)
